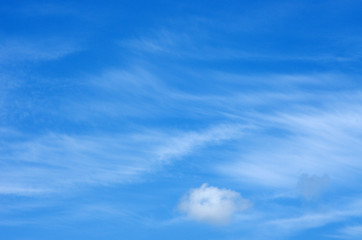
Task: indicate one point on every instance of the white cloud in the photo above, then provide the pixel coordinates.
(316, 141)
(15, 50)
(311, 186)
(38, 165)
(212, 205)
(186, 143)
(329, 215)
(352, 231)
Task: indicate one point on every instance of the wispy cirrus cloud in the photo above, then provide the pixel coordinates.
(184, 42)
(25, 49)
(39, 165)
(317, 219)
(312, 141)
(350, 232)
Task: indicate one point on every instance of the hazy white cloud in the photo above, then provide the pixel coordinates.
(185, 43)
(18, 49)
(212, 205)
(22, 190)
(161, 41)
(185, 143)
(319, 141)
(329, 214)
(311, 186)
(37, 166)
(352, 232)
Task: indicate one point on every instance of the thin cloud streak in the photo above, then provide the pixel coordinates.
(22, 50)
(317, 141)
(39, 165)
(318, 219)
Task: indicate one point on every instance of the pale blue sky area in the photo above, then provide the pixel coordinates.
(207, 120)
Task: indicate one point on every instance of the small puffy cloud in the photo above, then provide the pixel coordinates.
(311, 186)
(212, 205)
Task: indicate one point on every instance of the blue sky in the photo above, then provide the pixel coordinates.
(217, 120)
